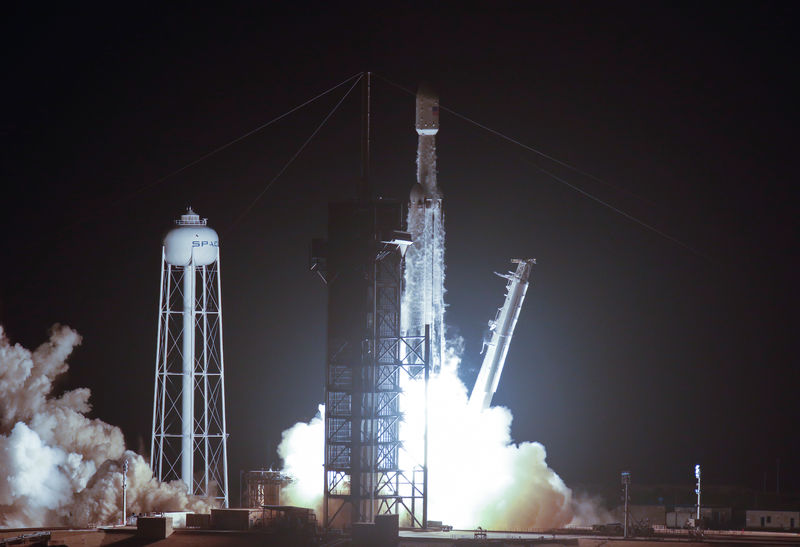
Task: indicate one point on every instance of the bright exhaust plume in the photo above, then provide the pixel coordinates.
(477, 475)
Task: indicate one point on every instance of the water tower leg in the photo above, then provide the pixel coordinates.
(187, 394)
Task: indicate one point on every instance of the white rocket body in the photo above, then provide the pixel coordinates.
(423, 298)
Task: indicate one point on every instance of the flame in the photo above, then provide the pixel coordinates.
(477, 475)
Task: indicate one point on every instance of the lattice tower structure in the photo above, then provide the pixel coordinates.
(262, 487)
(367, 470)
(189, 436)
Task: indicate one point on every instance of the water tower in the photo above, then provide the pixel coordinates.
(189, 440)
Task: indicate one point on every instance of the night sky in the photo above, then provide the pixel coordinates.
(632, 351)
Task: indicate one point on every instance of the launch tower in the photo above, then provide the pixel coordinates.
(367, 470)
(189, 439)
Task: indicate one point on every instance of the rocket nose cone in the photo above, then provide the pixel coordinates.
(417, 195)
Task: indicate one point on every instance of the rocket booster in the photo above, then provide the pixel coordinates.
(423, 299)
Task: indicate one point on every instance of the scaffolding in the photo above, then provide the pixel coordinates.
(368, 472)
(261, 487)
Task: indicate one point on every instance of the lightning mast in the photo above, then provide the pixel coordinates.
(626, 482)
(502, 328)
(697, 490)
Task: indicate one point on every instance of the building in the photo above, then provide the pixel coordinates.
(643, 515)
(771, 520)
(714, 518)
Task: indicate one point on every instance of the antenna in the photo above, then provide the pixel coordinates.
(364, 189)
(124, 491)
(626, 482)
(697, 491)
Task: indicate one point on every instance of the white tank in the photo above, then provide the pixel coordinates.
(191, 238)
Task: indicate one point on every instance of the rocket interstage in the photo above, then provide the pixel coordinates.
(423, 297)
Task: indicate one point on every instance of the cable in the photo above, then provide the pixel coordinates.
(256, 130)
(520, 144)
(156, 182)
(561, 180)
(294, 157)
(621, 212)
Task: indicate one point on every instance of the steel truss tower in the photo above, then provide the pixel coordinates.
(261, 487)
(189, 437)
(368, 471)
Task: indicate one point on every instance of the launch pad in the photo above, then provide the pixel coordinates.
(405, 538)
(385, 277)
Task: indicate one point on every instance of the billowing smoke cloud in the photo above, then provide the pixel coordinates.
(301, 449)
(477, 475)
(589, 510)
(58, 467)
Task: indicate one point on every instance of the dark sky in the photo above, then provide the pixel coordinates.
(631, 352)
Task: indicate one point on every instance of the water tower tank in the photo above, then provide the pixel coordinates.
(191, 238)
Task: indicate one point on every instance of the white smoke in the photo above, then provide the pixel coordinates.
(477, 475)
(301, 449)
(589, 510)
(58, 467)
